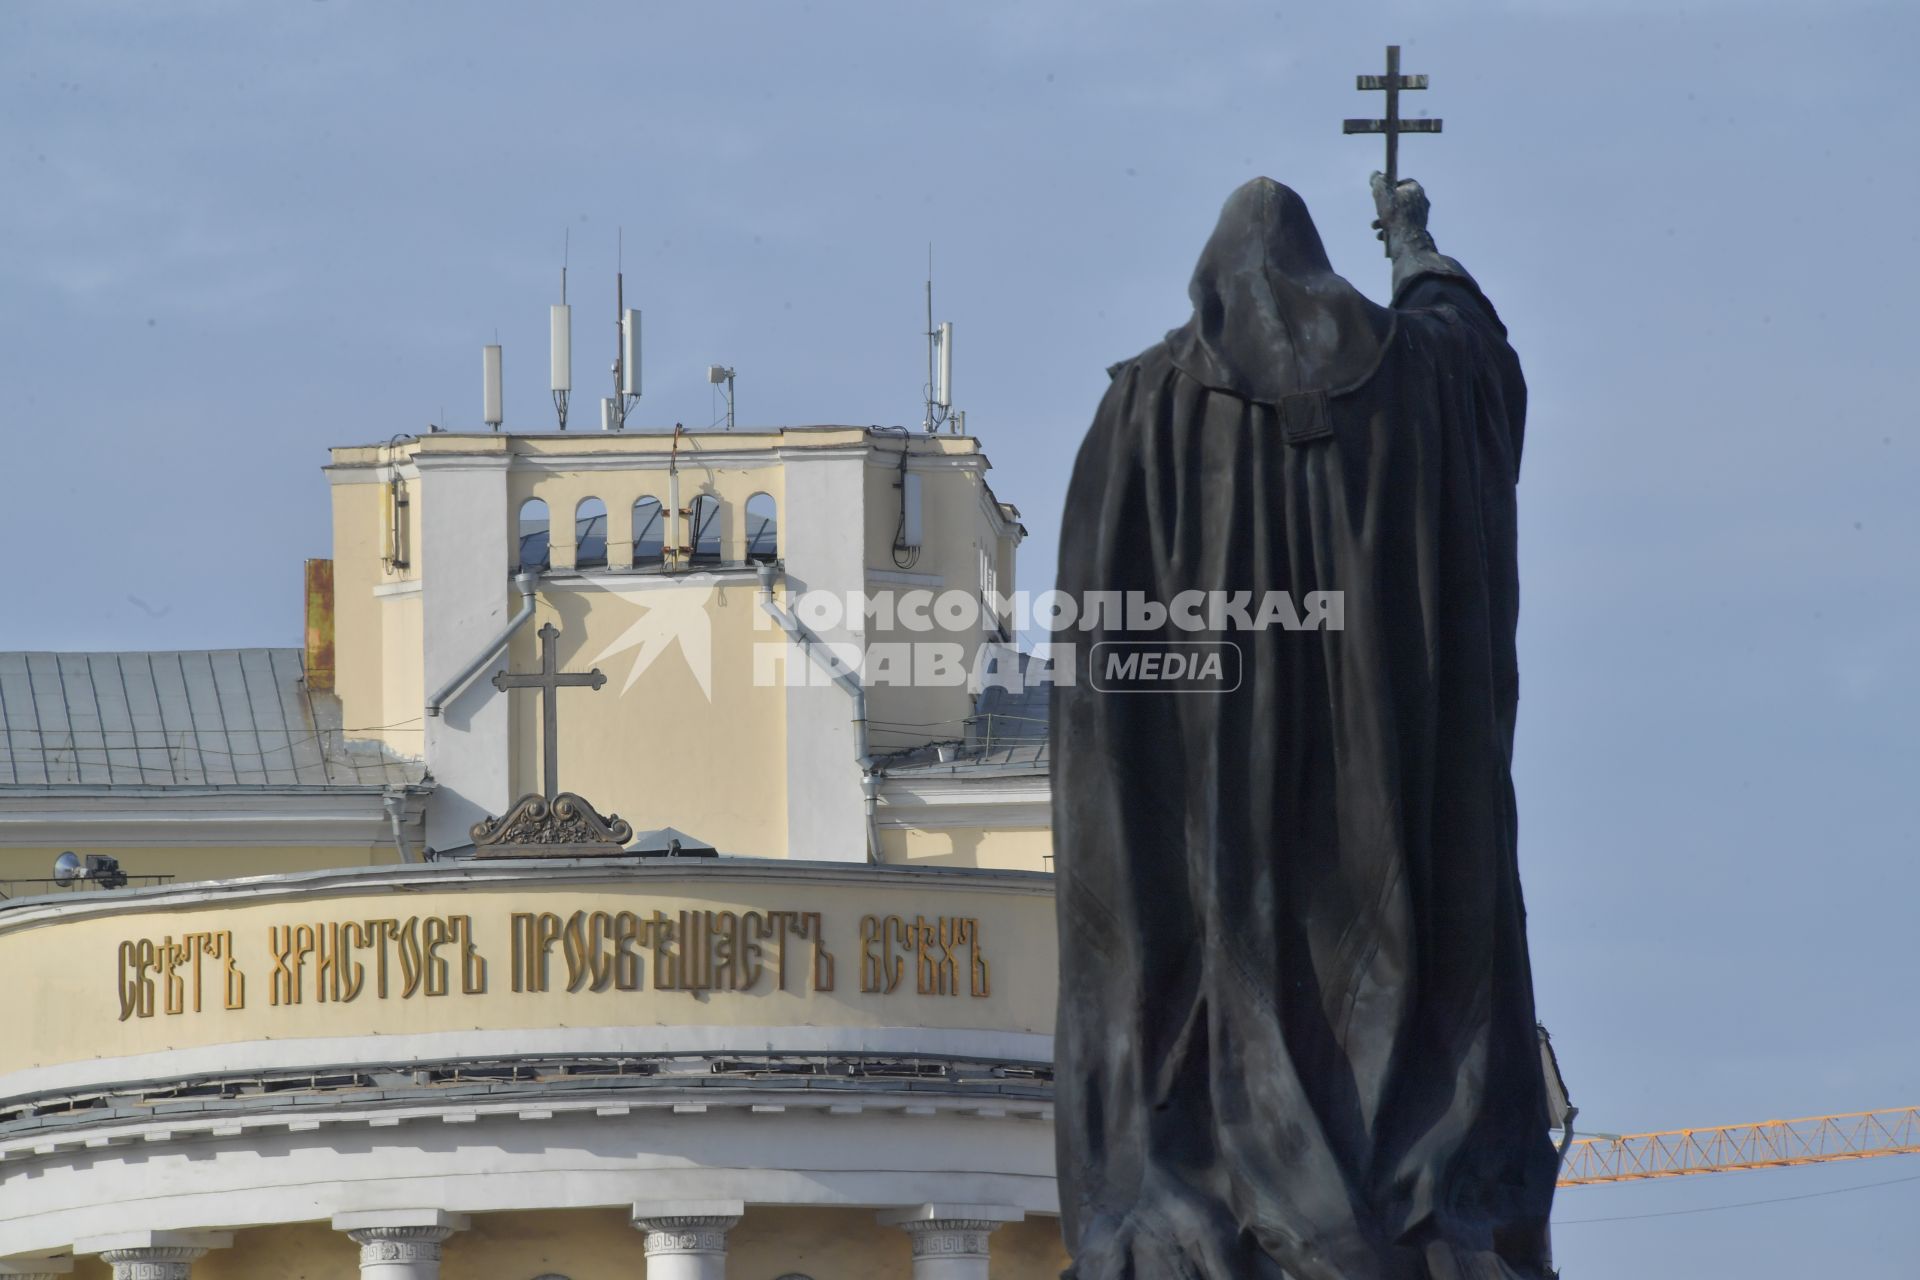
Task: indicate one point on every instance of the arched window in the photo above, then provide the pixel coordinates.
(590, 534)
(763, 529)
(649, 533)
(703, 529)
(534, 554)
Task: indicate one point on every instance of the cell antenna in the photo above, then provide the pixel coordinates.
(490, 390)
(561, 326)
(939, 387)
(626, 351)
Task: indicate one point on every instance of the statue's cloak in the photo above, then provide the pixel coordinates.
(1296, 1031)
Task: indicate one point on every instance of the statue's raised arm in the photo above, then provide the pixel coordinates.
(1401, 221)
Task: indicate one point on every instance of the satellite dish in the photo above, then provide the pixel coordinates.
(67, 868)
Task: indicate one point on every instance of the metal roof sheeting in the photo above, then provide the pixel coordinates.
(194, 718)
(1008, 730)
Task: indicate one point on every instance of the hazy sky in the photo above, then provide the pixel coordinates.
(232, 235)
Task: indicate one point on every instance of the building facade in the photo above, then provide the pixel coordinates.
(794, 1023)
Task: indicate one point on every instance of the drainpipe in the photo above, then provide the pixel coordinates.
(395, 802)
(526, 582)
(815, 648)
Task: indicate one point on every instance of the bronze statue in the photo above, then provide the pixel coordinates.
(1296, 1034)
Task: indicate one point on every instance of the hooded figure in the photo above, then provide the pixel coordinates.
(1296, 1035)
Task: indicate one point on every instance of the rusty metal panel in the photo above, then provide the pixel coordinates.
(320, 626)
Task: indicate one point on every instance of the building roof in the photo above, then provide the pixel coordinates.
(1008, 731)
(192, 718)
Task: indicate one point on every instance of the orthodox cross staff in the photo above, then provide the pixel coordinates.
(1393, 126)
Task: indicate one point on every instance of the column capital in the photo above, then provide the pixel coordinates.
(399, 1237)
(153, 1255)
(908, 1215)
(687, 1226)
(950, 1232)
(388, 1219)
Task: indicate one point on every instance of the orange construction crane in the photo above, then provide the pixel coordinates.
(1770, 1145)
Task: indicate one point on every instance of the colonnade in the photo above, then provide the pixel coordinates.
(683, 1240)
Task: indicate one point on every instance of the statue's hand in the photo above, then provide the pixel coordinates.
(1402, 220)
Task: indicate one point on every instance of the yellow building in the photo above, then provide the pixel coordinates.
(394, 977)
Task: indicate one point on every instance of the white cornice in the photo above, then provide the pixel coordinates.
(222, 819)
(899, 578)
(297, 1053)
(532, 874)
(453, 462)
(826, 453)
(938, 801)
(997, 515)
(275, 1165)
(646, 579)
(369, 472)
(687, 460)
(890, 461)
(876, 1097)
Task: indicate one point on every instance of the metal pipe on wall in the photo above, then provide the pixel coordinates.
(526, 583)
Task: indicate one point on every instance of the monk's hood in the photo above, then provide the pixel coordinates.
(1270, 316)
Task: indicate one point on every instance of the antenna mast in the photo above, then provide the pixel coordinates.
(561, 328)
(626, 353)
(716, 375)
(939, 387)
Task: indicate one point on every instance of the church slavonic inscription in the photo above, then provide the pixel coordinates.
(406, 957)
(179, 975)
(690, 951)
(573, 953)
(932, 948)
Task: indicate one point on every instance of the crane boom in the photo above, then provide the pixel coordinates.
(1768, 1145)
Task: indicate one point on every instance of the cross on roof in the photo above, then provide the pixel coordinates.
(1393, 126)
(549, 681)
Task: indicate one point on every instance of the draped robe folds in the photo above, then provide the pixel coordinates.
(1296, 1036)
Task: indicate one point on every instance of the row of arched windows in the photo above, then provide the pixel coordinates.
(703, 533)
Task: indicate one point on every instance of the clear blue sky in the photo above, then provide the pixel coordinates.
(235, 234)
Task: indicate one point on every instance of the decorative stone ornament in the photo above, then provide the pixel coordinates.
(403, 1246)
(951, 1238)
(688, 1235)
(564, 827)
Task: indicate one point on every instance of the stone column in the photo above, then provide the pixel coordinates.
(687, 1239)
(399, 1244)
(950, 1240)
(154, 1255)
